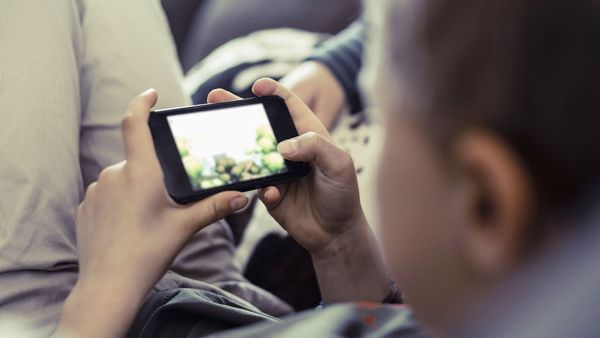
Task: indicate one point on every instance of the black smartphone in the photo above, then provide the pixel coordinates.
(206, 149)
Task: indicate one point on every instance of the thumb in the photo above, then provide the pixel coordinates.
(319, 151)
(213, 208)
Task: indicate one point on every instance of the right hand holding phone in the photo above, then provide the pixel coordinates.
(322, 210)
(325, 205)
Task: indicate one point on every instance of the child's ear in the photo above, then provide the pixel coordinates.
(499, 202)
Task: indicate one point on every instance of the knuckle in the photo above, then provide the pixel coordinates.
(90, 191)
(216, 211)
(317, 140)
(346, 159)
(312, 137)
(109, 174)
(287, 95)
(311, 134)
(128, 121)
(80, 209)
(104, 175)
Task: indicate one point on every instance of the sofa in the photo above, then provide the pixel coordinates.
(200, 26)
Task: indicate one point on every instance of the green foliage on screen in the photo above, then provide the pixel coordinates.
(263, 160)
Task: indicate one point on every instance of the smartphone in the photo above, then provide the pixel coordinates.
(206, 149)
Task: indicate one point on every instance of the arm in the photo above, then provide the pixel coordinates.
(343, 56)
(328, 80)
(126, 221)
(346, 256)
(352, 268)
(322, 211)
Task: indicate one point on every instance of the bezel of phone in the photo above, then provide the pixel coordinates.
(176, 178)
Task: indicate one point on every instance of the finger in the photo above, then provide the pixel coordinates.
(136, 133)
(212, 209)
(221, 95)
(270, 196)
(318, 150)
(307, 96)
(306, 91)
(273, 196)
(266, 87)
(108, 173)
(303, 117)
(89, 192)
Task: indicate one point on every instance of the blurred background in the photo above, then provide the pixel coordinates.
(200, 26)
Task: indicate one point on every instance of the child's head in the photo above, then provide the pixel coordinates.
(492, 115)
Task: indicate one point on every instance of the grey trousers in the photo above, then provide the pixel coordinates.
(68, 69)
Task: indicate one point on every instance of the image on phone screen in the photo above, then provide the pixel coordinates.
(216, 151)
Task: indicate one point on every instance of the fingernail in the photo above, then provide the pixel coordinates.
(287, 147)
(238, 203)
(148, 91)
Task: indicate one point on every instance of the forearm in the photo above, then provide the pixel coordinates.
(98, 310)
(352, 268)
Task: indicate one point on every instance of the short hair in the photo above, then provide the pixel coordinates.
(529, 70)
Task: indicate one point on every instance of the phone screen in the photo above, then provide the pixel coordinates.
(226, 146)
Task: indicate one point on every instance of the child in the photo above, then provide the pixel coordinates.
(490, 110)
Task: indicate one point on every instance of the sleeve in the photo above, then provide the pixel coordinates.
(343, 55)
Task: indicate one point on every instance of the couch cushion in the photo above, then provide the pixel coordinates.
(219, 21)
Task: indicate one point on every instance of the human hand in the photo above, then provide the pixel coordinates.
(129, 231)
(324, 205)
(316, 85)
(322, 211)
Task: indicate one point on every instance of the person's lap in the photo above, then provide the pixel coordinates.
(69, 69)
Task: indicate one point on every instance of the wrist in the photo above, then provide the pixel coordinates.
(96, 309)
(346, 243)
(351, 268)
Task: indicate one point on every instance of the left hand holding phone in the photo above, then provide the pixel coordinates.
(129, 231)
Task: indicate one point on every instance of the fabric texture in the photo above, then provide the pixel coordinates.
(192, 313)
(69, 70)
(361, 320)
